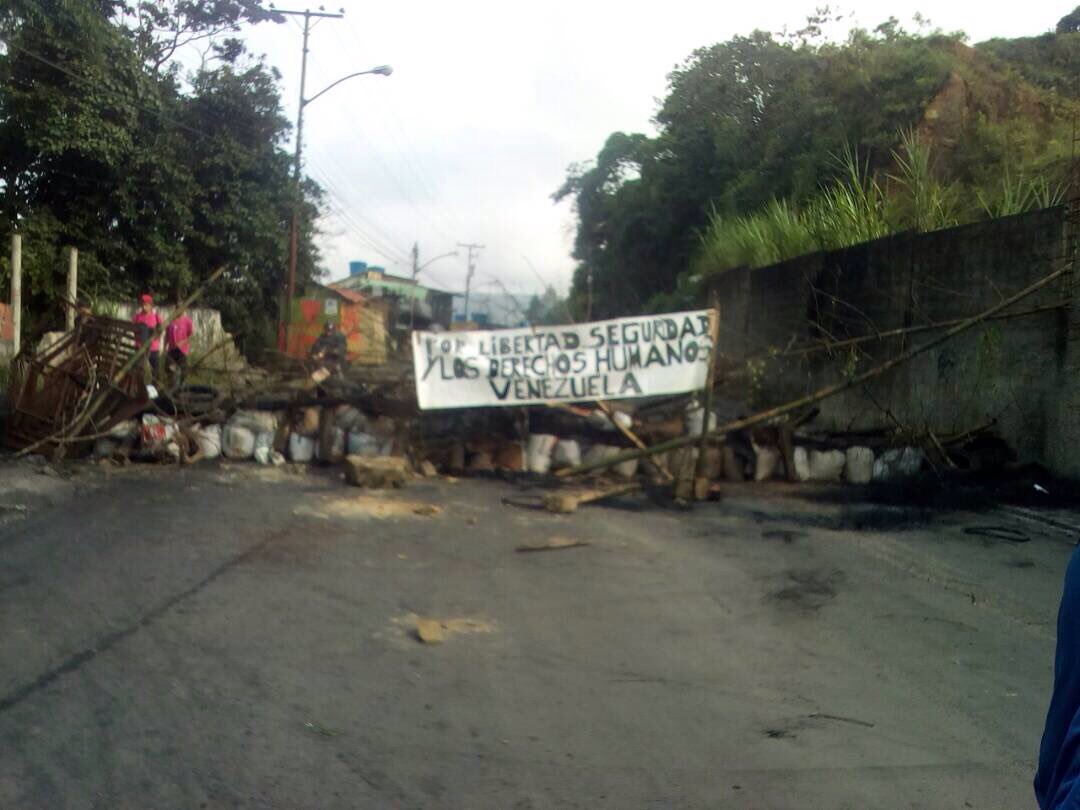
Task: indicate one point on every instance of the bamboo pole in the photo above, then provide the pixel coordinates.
(710, 380)
(829, 390)
(16, 294)
(72, 289)
(898, 332)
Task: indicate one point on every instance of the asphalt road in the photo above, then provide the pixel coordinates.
(240, 637)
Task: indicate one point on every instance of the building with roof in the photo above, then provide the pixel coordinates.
(410, 305)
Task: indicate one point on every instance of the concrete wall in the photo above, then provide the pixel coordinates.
(1015, 371)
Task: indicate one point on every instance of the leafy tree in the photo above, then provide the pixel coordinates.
(1070, 23)
(760, 118)
(156, 184)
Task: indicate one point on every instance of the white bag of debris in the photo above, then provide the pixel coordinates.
(337, 448)
(255, 421)
(237, 442)
(695, 419)
(127, 429)
(208, 438)
(826, 465)
(362, 444)
(801, 462)
(766, 461)
(859, 465)
(262, 455)
(567, 453)
(264, 438)
(538, 453)
(626, 469)
(600, 420)
(899, 462)
(301, 448)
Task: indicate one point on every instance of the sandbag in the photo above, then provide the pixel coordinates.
(599, 452)
(766, 460)
(826, 465)
(899, 462)
(349, 418)
(126, 429)
(567, 453)
(600, 420)
(859, 465)
(255, 421)
(208, 437)
(538, 454)
(306, 422)
(683, 462)
(301, 448)
(362, 444)
(237, 442)
(337, 447)
(154, 433)
(510, 457)
(802, 464)
(695, 419)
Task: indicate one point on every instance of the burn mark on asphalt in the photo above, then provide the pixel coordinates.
(807, 589)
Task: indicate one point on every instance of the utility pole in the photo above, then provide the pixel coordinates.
(294, 229)
(415, 259)
(16, 293)
(472, 269)
(72, 288)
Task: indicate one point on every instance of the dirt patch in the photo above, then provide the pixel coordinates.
(450, 626)
(379, 507)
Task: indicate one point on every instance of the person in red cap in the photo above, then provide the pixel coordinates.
(146, 321)
(178, 342)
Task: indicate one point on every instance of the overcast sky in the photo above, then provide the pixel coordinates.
(490, 102)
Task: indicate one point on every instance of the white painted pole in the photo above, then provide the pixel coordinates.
(72, 288)
(16, 292)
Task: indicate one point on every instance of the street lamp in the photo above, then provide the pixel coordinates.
(294, 231)
(416, 271)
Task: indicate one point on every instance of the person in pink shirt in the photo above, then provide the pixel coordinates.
(147, 320)
(178, 342)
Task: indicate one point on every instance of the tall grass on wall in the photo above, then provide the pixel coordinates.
(860, 206)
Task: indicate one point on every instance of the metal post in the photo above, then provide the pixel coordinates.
(468, 278)
(16, 292)
(415, 270)
(294, 228)
(72, 288)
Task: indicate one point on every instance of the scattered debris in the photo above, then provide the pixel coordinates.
(429, 631)
(428, 510)
(376, 472)
(568, 502)
(556, 543)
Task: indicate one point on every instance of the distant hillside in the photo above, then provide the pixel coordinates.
(756, 119)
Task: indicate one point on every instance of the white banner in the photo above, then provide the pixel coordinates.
(617, 359)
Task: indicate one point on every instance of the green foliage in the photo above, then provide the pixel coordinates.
(1018, 193)
(1070, 23)
(743, 168)
(156, 183)
(548, 309)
